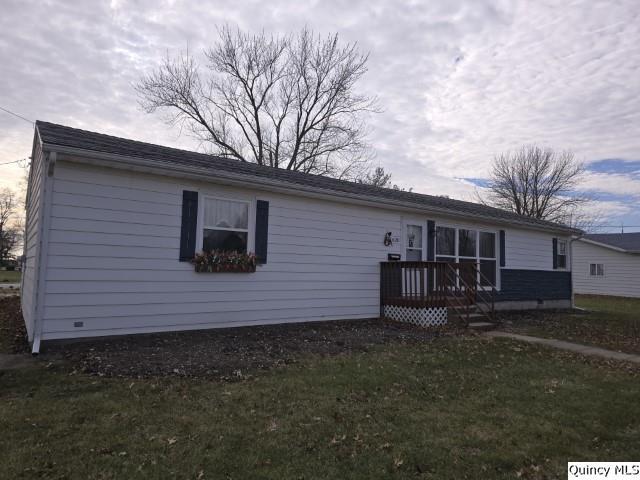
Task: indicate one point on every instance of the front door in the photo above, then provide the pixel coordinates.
(414, 241)
(413, 279)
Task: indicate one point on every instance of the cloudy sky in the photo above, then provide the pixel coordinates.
(458, 81)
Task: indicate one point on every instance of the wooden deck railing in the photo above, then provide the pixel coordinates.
(413, 284)
(436, 284)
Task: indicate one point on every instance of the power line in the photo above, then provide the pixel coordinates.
(15, 161)
(17, 115)
(613, 225)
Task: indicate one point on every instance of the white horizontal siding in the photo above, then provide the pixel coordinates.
(32, 241)
(530, 250)
(218, 306)
(127, 286)
(166, 323)
(72, 237)
(621, 271)
(113, 259)
(223, 295)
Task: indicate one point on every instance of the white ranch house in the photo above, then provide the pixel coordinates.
(112, 225)
(607, 264)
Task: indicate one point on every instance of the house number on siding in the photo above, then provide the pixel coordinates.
(390, 238)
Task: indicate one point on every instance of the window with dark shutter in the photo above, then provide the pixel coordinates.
(262, 231)
(559, 254)
(431, 240)
(189, 225)
(562, 254)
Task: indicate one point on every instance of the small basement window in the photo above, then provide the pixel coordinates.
(562, 254)
(225, 225)
(596, 269)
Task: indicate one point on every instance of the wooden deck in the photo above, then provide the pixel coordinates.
(426, 302)
(431, 285)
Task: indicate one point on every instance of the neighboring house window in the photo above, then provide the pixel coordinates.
(562, 254)
(225, 225)
(596, 269)
(464, 245)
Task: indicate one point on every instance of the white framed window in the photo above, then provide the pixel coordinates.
(460, 245)
(596, 269)
(225, 224)
(414, 242)
(487, 258)
(561, 257)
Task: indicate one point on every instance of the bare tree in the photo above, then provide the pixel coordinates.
(286, 102)
(537, 182)
(378, 178)
(10, 231)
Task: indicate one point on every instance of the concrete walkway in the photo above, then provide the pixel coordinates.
(572, 347)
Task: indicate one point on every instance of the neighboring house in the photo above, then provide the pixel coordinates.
(112, 225)
(607, 264)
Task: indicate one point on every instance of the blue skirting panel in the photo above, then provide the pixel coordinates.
(534, 285)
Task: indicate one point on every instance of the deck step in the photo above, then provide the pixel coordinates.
(464, 315)
(482, 326)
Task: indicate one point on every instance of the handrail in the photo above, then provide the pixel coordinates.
(490, 305)
(468, 292)
(494, 290)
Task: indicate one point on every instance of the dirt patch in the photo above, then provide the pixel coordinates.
(229, 353)
(13, 335)
(232, 352)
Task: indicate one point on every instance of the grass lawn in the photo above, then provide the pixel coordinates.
(610, 322)
(456, 407)
(7, 276)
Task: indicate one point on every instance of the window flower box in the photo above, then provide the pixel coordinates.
(221, 262)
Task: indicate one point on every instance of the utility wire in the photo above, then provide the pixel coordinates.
(616, 226)
(16, 115)
(15, 161)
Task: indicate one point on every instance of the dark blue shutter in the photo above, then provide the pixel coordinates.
(503, 249)
(555, 253)
(431, 240)
(262, 230)
(189, 225)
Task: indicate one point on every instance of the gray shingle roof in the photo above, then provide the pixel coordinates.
(53, 134)
(629, 242)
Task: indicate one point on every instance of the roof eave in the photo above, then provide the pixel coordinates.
(610, 247)
(172, 169)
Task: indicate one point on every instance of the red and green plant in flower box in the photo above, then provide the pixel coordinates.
(224, 261)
